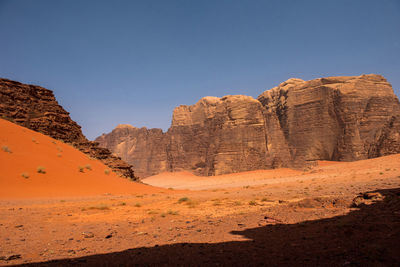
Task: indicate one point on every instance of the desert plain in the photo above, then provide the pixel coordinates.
(78, 213)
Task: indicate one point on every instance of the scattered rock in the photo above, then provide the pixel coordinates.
(108, 236)
(271, 220)
(373, 196)
(88, 234)
(141, 233)
(13, 257)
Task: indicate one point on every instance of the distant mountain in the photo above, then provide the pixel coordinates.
(292, 125)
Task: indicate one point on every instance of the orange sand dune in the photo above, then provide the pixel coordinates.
(61, 162)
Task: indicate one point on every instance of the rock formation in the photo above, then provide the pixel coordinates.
(143, 148)
(36, 108)
(291, 125)
(336, 118)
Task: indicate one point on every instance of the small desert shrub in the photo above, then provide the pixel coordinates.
(192, 204)
(172, 212)
(252, 203)
(54, 142)
(81, 169)
(59, 155)
(217, 203)
(88, 167)
(237, 203)
(41, 169)
(99, 207)
(107, 171)
(152, 212)
(59, 149)
(138, 205)
(25, 175)
(163, 214)
(381, 173)
(6, 149)
(34, 140)
(183, 199)
(170, 188)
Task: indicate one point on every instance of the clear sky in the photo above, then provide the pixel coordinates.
(112, 62)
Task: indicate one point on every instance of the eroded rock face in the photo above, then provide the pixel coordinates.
(217, 136)
(291, 125)
(336, 118)
(36, 108)
(143, 148)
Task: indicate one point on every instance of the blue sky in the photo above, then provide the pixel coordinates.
(112, 62)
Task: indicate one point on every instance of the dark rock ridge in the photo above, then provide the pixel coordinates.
(292, 125)
(36, 108)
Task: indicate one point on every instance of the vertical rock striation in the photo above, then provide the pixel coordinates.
(335, 118)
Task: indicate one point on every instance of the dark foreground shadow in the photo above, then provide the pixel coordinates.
(369, 236)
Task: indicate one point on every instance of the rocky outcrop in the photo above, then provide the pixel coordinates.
(36, 108)
(291, 125)
(336, 118)
(143, 148)
(217, 136)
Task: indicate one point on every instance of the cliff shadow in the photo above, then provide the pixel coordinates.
(368, 236)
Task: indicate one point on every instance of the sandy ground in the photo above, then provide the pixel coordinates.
(37, 230)
(23, 152)
(275, 217)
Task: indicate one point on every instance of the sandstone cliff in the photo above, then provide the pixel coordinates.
(293, 124)
(143, 148)
(336, 118)
(36, 108)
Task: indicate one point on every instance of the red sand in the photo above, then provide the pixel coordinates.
(30, 149)
(243, 217)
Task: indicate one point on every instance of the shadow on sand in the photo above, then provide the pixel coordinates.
(368, 236)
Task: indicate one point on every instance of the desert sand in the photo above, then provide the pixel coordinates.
(68, 172)
(277, 217)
